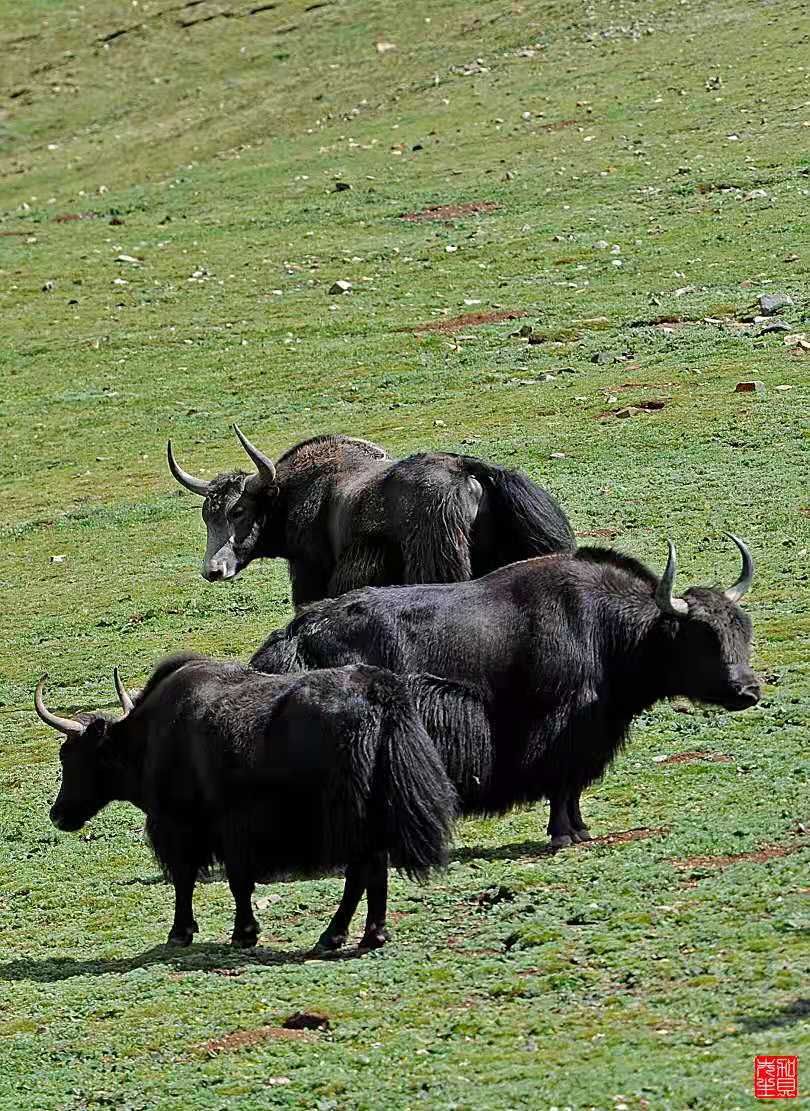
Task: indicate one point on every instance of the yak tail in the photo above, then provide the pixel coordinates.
(528, 520)
(456, 718)
(413, 800)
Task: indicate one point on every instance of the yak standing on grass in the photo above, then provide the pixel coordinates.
(266, 775)
(548, 663)
(344, 515)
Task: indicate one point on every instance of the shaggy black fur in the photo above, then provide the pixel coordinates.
(269, 776)
(345, 515)
(556, 657)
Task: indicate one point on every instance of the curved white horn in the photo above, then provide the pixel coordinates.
(743, 583)
(195, 485)
(124, 696)
(664, 598)
(264, 465)
(67, 726)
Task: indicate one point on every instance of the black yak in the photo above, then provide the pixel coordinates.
(556, 656)
(267, 775)
(344, 515)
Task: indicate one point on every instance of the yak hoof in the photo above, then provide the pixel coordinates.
(373, 939)
(581, 834)
(328, 943)
(181, 937)
(247, 938)
(561, 841)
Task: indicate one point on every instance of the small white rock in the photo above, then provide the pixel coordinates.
(340, 286)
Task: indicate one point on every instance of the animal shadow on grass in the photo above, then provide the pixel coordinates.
(221, 960)
(529, 849)
(795, 1011)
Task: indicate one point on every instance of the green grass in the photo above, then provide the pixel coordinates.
(611, 971)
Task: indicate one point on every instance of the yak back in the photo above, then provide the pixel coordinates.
(295, 770)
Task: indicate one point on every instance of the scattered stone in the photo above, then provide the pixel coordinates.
(128, 258)
(439, 424)
(774, 326)
(771, 303)
(340, 286)
(523, 332)
(49, 286)
(385, 47)
(306, 1020)
(58, 558)
(799, 340)
(654, 405)
(603, 358)
(750, 387)
(557, 455)
(601, 244)
(341, 186)
(495, 895)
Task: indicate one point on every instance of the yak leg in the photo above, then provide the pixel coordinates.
(184, 926)
(375, 934)
(178, 848)
(359, 565)
(335, 934)
(559, 823)
(579, 829)
(245, 927)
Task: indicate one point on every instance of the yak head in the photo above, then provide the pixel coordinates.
(87, 759)
(235, 511)
(712, 639)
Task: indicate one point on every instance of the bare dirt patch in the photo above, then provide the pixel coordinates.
(466, 320)
(307, 1020)
(449, 211)
(557, 125)
(600, 533)
(245, 1039)
(757, 856)
(699, 757)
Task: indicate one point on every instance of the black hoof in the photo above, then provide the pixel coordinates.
(580, 835)
(561, 841)
(181, 938)
(245, 939)
(328, 943)
(373, 939)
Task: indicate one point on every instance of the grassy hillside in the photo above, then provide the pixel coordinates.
(625, 179)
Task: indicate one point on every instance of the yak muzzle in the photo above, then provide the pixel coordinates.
(220, 569)
(743, 696)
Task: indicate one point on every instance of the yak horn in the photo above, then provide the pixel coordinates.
(743, 583)
(265, 466)
(195, 485)
(67, 726)
(124, 697)
(664, 598)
